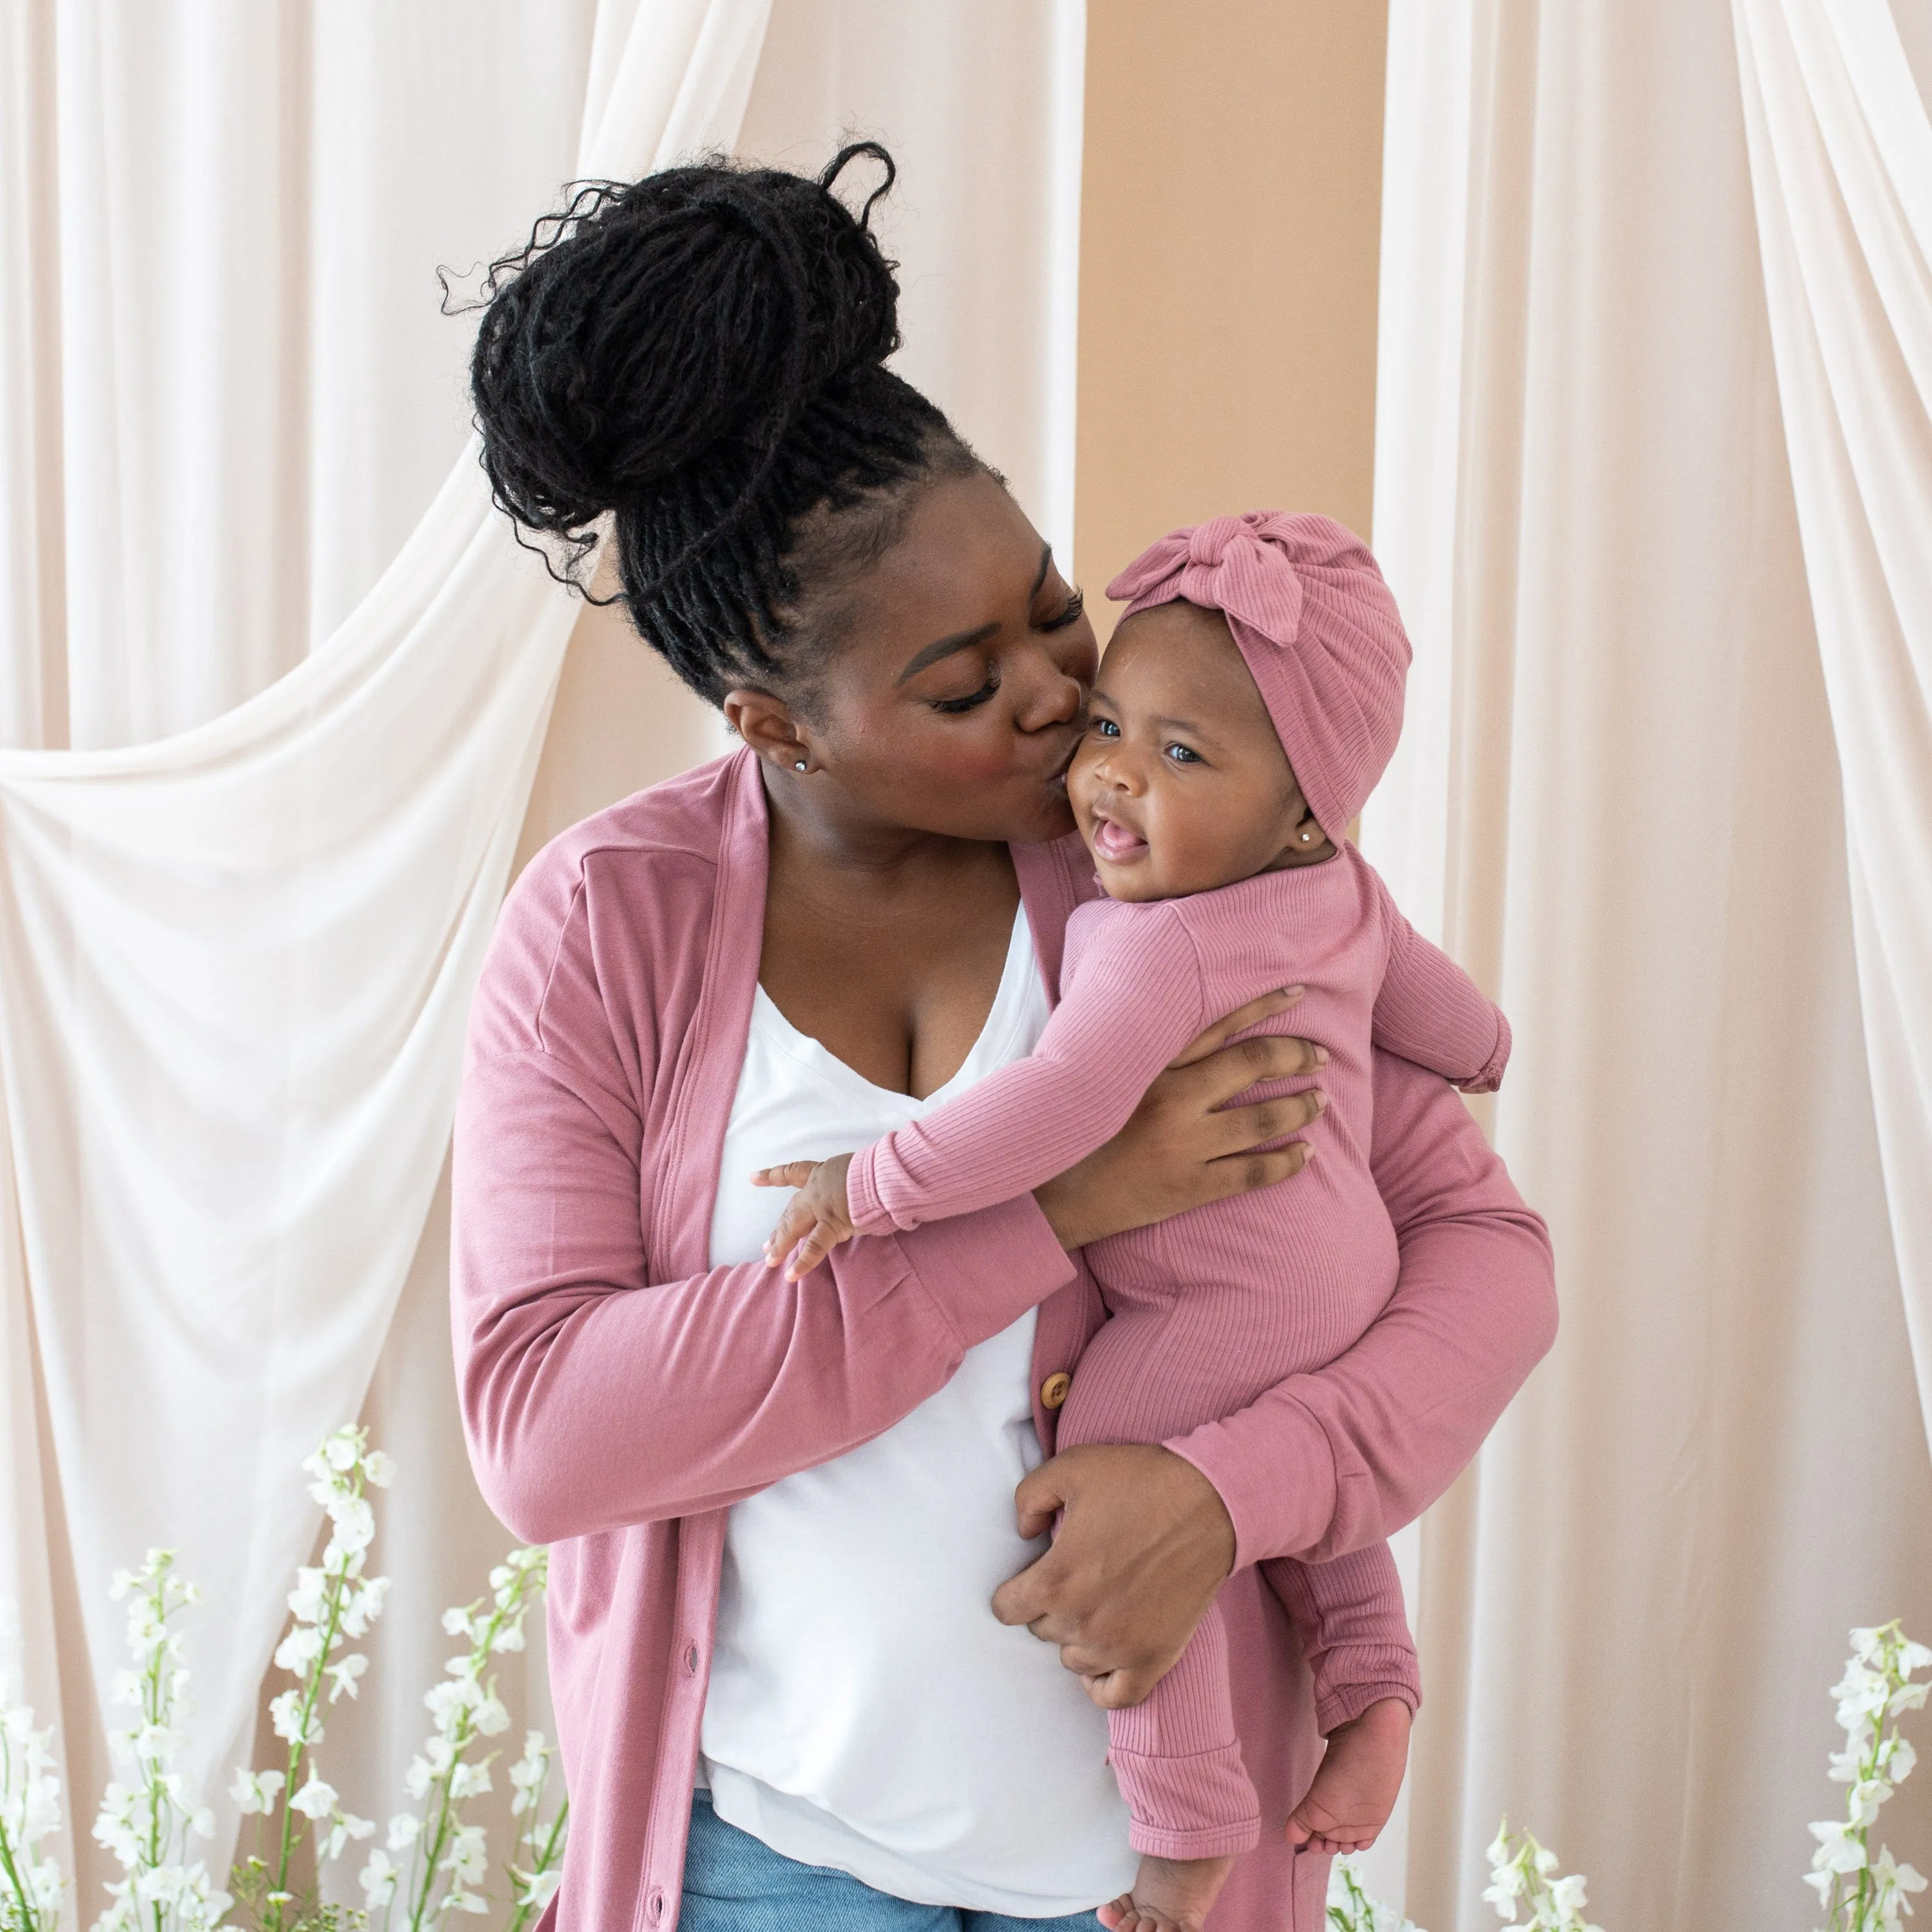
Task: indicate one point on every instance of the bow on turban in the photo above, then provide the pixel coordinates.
(1318, 628)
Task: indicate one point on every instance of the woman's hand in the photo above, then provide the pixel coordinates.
(1145, 1542)
(1185, 1146)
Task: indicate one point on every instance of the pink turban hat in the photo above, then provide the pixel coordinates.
(1319, 632)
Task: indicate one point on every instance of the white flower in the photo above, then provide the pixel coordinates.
(491, 1719)
(536, 1889)
(285, 1712)
(464, 1901)
(417, 1780)
(470, 1781)
(378, 1469)
(307, 1598)
(255, 1791)
(1837, 1850)
(403, 1828)
(456, 1621)
(469, 1857)
(364, 1606)
(298, 1649)
(342, 1674)
(343, 1826)
(315, 1799)
(378, 1879)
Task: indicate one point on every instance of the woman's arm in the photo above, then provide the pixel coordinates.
(594, 1397)
(1324, 1462)
(1335, 1459)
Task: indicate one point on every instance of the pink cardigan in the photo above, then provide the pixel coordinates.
(619, 1393)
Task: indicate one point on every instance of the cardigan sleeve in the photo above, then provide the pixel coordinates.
(1428, 1010)
(595, 1396)
(1332, 1461)
(1132, 1001)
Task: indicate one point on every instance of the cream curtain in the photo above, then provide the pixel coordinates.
(1841, 169)
(234, 960)
(238, 959)
(1621, 800)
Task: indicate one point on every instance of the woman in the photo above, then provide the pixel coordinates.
(780, 1509)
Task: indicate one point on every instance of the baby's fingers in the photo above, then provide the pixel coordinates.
(812, 1250)
(796, 1220)
(793, 1174)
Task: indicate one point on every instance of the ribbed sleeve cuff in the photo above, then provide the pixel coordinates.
(985, 1270)
(1491, 1076)
(861, 1194)
(1347, 1702)
(1274, 1469)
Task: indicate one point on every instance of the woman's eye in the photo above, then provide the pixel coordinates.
(952, 706)
(1076, 606)
(1183, 754)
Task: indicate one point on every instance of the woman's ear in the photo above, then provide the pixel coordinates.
(767, 724)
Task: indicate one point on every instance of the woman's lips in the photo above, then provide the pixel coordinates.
(1115, 843)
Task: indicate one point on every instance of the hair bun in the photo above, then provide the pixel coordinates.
(681, 323)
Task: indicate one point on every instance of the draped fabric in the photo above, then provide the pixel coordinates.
(1658, 695)
(1841, 171)
(273, 684)
(237, 959)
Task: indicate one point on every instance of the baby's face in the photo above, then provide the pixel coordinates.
(1180, 784)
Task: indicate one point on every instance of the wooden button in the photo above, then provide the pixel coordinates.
(1053, 1391)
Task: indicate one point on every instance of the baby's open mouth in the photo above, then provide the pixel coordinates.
(1115, 843)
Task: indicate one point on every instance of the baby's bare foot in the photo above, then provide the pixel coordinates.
(1169, 1895)
(1355, 1789)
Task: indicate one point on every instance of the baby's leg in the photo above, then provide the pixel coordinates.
(1348, 1614)
(1178, 1763)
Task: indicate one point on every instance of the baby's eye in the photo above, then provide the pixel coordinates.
(1183, 754)
(1105, 728)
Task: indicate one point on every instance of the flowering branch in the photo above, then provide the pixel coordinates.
(1520, 1873)
(1860, 1893)
(536, 1880)
(147, 1827)
(447, 1853)
(1352, 1909)
(331, 1605)
(30, 1885)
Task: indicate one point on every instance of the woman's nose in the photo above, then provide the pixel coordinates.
(1051, 698)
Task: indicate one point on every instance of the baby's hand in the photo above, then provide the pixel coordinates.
(816, 1219)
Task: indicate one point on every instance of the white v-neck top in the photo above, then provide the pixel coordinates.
(866, 1711)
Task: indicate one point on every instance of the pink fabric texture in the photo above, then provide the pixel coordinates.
(1317, 628)
(1212, 1307)
(619, 1393)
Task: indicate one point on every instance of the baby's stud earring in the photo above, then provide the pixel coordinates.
(799, 766)
(1305, 834)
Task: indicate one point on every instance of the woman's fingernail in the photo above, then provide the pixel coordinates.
(1293, 992)
(1322, 1056)
(1320, 1099)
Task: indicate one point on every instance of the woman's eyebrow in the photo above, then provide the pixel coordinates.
(945, 647)
(962, 640)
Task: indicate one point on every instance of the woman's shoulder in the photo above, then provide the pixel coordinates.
(623, 892)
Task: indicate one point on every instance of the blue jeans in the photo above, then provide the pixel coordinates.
(734, 1882)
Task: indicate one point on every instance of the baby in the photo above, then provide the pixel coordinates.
(1250, 698)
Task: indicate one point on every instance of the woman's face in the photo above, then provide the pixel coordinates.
(954, 692)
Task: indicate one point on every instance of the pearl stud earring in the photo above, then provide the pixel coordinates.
(799, 766)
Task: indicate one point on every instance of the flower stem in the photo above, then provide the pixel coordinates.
(338, 1584)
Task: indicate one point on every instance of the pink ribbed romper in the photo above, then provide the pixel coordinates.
(1213, 1307)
